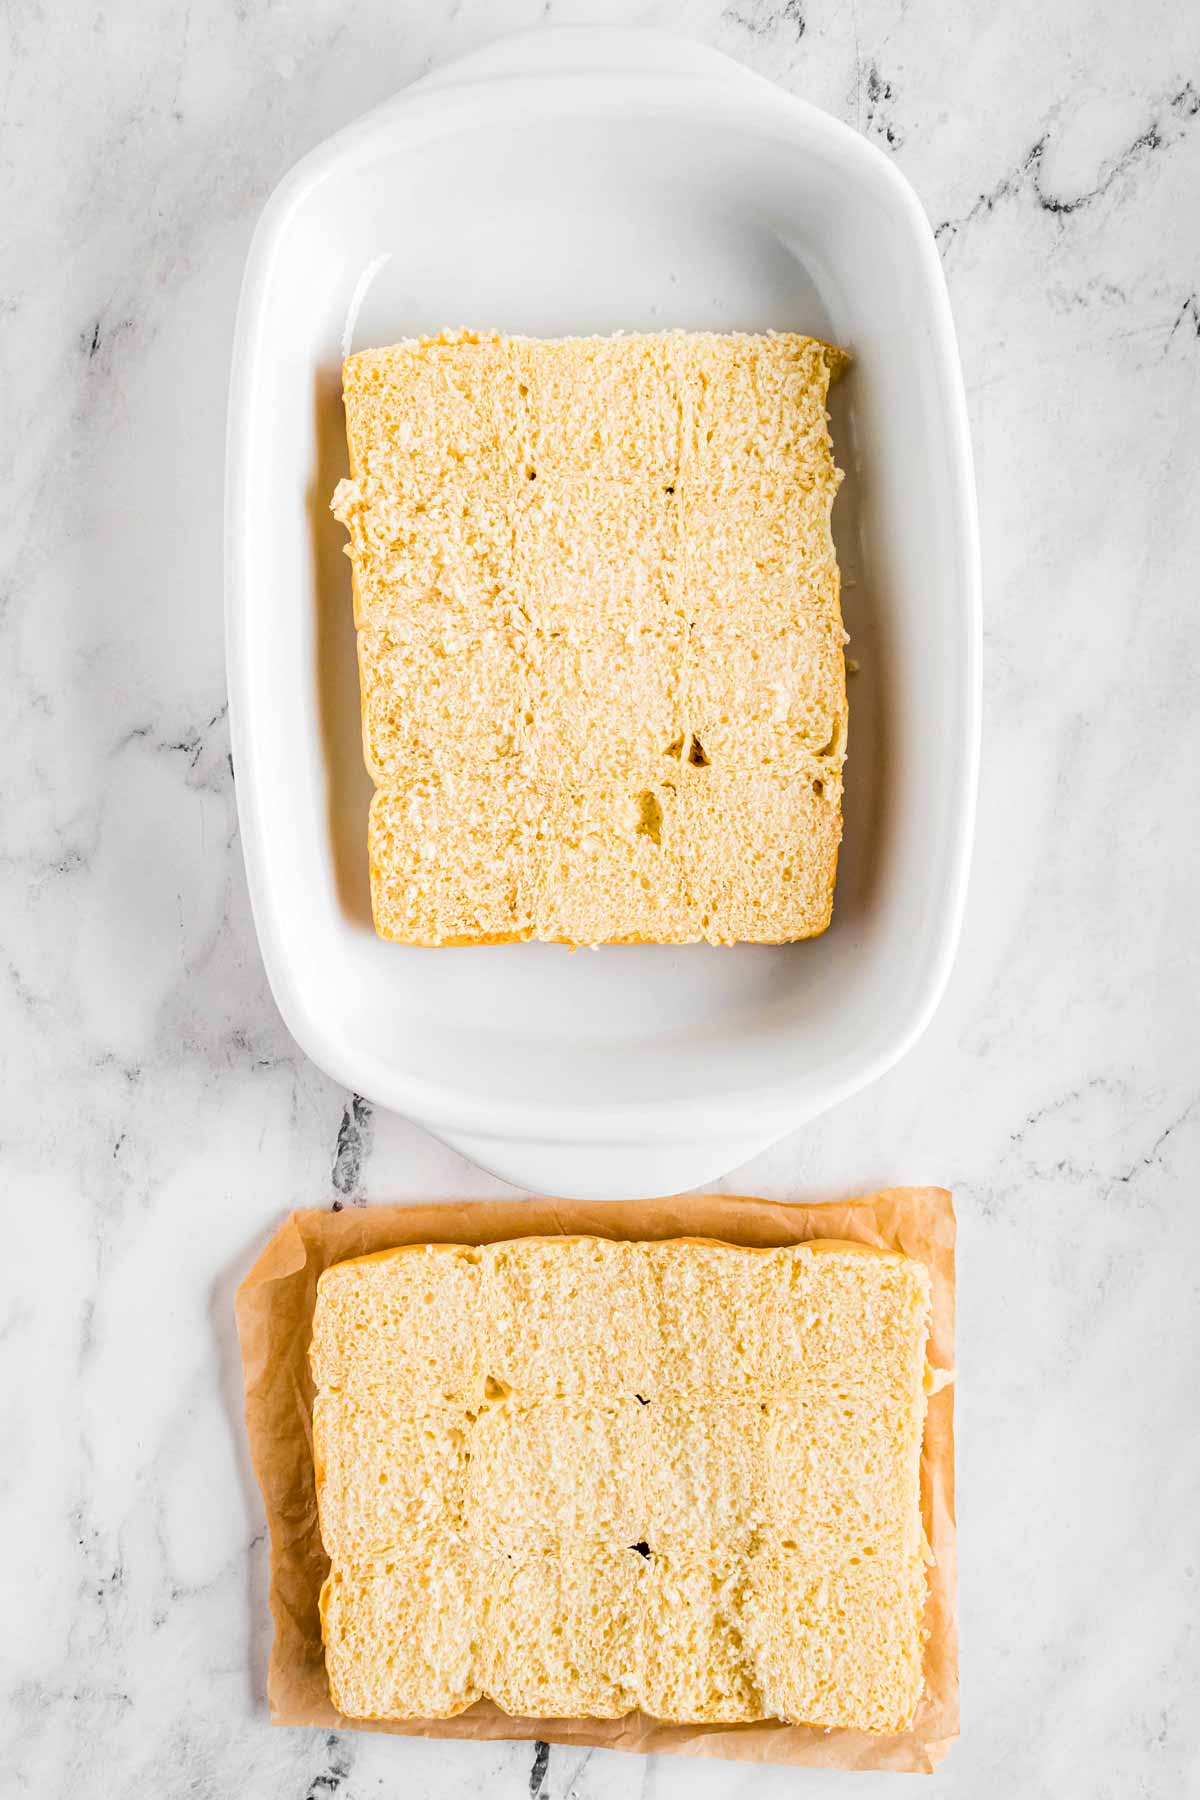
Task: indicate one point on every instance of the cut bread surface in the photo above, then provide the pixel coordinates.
(559, 1635)
(389, 1477)
(601, 643)
(558, 1476)
(400, 1634)
(403, 1321)
(580, 1477)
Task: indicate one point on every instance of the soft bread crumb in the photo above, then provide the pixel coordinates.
(836, 1643)
(560, 1635)
(400, 1634)
(695, 1665)
(595, 582)
(405, 1321)
(848, 1317)
(568, 1316)
(388, 1476)
(705, 1477)
(716, 1315)
(562, 1475)
(679, 1476)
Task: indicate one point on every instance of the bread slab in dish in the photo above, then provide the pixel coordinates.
(600, 636)
(729, 1550)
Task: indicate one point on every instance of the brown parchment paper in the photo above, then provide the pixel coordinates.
(274, 1317)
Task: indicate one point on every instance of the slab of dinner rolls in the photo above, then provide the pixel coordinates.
(581, 1477)
(600, 636)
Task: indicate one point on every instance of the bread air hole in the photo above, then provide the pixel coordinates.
(819, 789)
(649, 817)
(642, 1547)
(696, 755)
(674, 748)
(496, 1390)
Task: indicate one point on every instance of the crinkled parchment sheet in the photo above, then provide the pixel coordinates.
(274, 1316)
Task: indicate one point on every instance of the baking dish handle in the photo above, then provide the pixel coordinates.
(604, 1170)
(561, 49)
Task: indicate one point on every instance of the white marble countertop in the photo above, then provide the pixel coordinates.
(157, 1120)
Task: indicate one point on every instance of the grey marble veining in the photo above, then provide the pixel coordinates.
(157, 1120)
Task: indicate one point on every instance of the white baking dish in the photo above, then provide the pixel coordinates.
(594, 180)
